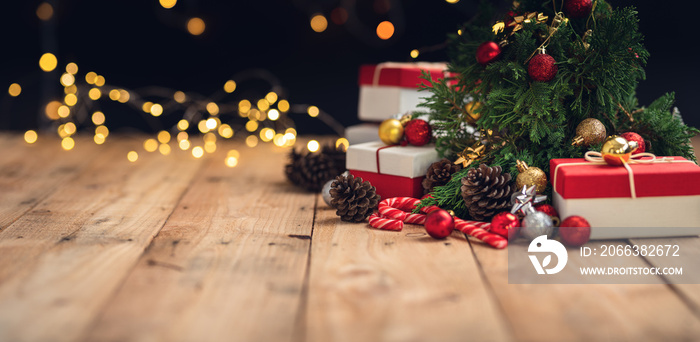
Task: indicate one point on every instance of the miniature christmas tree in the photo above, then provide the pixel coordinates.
(550, 80)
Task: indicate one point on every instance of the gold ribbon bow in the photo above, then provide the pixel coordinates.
(469, 155)
(518, 21)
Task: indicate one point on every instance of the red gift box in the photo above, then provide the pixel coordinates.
(405, 75)
(677, 178)
(666, 202)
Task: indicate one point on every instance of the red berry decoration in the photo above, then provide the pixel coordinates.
(417, 132)
(575, 231)
(439, 224)
(505, 224)
(542, 68)
(631, 136)
(549, 210)
(578, 8)
(487, 52)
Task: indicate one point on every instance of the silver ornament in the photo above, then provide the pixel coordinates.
(522, 201)
(326, 191)
(535, 224)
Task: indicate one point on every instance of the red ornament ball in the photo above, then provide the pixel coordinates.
(487, 52)
(417, 132)
(549, 210)
(505, 224)
(542, 68)
(578, 8)
(575, 231)
(631, 136)
(439, 224)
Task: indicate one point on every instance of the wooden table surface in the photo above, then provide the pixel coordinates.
(172, 248)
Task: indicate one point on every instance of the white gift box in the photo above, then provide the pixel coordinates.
(390, 88)
(396, 171)
(666, 202)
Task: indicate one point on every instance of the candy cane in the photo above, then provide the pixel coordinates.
(393, 213)
(385, 223)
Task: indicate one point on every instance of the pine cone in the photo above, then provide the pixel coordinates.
(486, 191)
(312, 170)
(353, 199)
(439, 173)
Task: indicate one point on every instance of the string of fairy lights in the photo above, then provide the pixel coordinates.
(205, 120)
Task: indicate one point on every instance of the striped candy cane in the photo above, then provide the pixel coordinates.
(394, 212)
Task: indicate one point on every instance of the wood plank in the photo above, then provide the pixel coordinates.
(29, 173)
(587, 312)
(372, 285)
(687, 285)
(229, 265)
(79, 243)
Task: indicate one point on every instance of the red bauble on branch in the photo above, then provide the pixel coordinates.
(417, 132)
(542, 68)
(439, 224)
(487, 52)
(505, 224)
(575, 231)
(631, 136)
(578, 8)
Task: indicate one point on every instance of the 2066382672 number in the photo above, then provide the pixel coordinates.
(637, 250)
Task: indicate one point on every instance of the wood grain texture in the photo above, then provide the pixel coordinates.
(79, 243)
(172, 248)
(688, 258)
(372, 285)
(228, 266)
(587, 312)
(29, 173)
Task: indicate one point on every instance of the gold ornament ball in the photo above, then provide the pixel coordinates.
(590, 131)
(391, 131)
(529, 176)
(617, 150)
(472, 115)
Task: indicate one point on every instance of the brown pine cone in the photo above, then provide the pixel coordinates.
(312, 170)
(486, 191)
(439, 173)
(353, 199)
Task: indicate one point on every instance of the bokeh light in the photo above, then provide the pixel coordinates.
(385, 30)
(30, 136)
(313, 111)
(313, 145)
(14, 90)
(195, 26)
(67, 143)
(44, 11)
(229, 86)
(168, 3)
(150, 145)
(132, 156)
(48, 62)
(197, 152)
(98, 118)
(318, 23)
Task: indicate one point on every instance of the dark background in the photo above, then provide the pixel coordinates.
(137, 43)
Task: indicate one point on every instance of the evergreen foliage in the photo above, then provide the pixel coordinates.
(536, 121)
